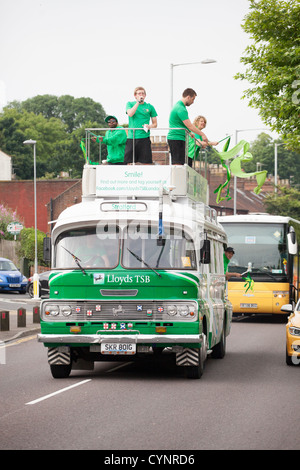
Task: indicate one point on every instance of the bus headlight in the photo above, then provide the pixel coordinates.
(52, 310)
(66, 310)
(184, 310)
(172, 310)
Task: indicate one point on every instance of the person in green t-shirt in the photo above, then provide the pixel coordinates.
(194, 145)
(179, 118)
(115, 141)
(228, 254)
(139, 115)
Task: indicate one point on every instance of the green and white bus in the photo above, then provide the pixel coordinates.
(138, 271)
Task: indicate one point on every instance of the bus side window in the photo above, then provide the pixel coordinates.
(212, 259)
(219, 256)
(216, 259)
(205, 254)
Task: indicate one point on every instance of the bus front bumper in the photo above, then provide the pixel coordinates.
(118, 338)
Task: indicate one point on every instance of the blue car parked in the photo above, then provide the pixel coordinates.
(10, 277)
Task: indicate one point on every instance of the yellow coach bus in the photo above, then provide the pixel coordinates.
(265, 247)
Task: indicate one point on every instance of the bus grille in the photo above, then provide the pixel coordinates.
(152, 310)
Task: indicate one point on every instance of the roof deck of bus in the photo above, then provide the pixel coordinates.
(177, 185)
(184, 195)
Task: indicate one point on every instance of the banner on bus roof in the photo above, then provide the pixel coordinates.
(131, 180)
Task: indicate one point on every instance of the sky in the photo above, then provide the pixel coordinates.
(103, 49)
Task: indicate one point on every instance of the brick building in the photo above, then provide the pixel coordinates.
(69, 197)
(19, 195)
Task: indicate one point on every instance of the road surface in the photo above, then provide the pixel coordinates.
(248, 400)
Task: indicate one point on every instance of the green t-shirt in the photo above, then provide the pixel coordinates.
(115, 141)
(142, 116)
(226, 263)
(177, 115)
(193, 147)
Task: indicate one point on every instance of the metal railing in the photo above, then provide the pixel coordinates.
(195, 163)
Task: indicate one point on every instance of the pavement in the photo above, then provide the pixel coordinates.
(15, 332)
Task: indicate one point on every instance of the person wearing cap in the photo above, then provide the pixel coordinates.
(228, 254)
(115, 141)
(139, 114)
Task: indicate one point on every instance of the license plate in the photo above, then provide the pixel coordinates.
(118, 348)
(248, 305)
(14, 285)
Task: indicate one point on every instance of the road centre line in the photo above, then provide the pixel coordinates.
(57, 392)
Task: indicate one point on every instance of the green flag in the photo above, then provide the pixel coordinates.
(249, 283)
(236, 167)
(227, 182)
(82, 146)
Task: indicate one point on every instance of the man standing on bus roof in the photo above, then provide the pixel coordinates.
(115, 141)
(139, 115)
(179, 118)
(228, 254)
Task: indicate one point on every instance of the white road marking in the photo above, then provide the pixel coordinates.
(56, 393)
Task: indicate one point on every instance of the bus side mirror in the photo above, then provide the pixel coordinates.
(205, 252)
(292, 242)
(47, 248)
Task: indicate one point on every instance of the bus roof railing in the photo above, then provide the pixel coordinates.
(91, 132)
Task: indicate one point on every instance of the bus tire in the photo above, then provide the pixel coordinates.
(219, 350)
(60, 371)
(196, 372)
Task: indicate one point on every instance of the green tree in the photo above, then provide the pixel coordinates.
(27, 245)
(286, 202)
(16, 126)
(73, 112)
(57, 124)
(273, 65)
(263, 152)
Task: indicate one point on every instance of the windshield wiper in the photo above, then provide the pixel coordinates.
(77, 261)
(264, 272)
(142, 261)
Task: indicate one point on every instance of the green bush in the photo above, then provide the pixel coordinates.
(27, 245)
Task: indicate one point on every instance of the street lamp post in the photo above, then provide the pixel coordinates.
(205, 61)
(275, 166)
(35, 276)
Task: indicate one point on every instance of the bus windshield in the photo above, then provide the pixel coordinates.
(141, 250)
(89, 247)
(100, 248)
(260, 248)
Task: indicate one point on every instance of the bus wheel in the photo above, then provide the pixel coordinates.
(60, 371)
(196, 372)
(219, 350)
